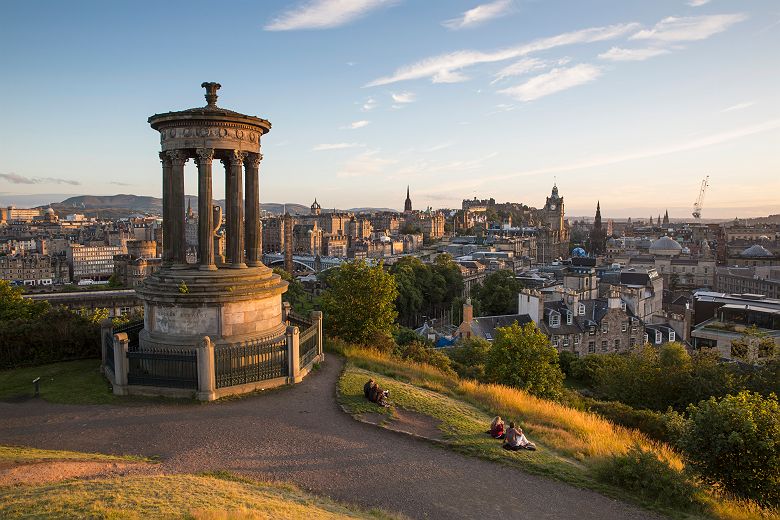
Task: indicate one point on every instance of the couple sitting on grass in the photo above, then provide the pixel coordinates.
(514, 439)
(375, 394)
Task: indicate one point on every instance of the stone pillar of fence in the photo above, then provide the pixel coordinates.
(206, 374)
(293, 355)
(121, 343)
(106, 327)
(285, 311)
(316, 318)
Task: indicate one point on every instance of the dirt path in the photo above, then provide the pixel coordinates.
(300, 435)
(45, 471)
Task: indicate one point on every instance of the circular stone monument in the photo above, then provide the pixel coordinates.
(232, 299)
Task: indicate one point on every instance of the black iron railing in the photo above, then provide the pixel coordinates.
(307, 346)
(299, 321)
(108, 349)
(250, 361)
(163, 367)
(131, 329)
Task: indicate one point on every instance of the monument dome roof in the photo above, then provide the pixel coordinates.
(756, 251)
(665, 246)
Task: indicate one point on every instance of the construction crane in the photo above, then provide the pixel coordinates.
(700, 201)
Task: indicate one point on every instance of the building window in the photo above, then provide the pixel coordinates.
(568, 318)
(555, 319)
(632, 342)
(555, 341)
(576, 339)
(646, 338)
(672, 335)
(623, 306)
(658, 337)
(604, 345)
(623, 327)
(566, 341)
(591, 347)
(581, 309)
(617, 344)
(592, 330)
(604, 328)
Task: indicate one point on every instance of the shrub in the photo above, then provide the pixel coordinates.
(736, 441)
(642, 473)
(469, 358)
(663, 426)
(421, 352)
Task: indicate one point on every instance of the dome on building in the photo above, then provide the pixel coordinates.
(756, 251)
(665, 246)
(50, 211)
(578, 252)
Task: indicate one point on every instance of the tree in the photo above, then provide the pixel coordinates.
(736, 441)
(15, 307)
(359, 305)
(497, 294)
(523, 357)
(425, 289)
(470, 357)
(754, 346)
(300, 300)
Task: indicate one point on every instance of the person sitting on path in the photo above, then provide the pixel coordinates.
(370, 384)
(515, 440)
(497, 428)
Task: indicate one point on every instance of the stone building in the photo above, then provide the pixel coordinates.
(761, 280)
(30, 269)
(91, 261)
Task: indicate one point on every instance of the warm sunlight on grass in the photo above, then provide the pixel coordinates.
(25, 454)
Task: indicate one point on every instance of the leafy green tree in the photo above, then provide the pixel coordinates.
(735, 441)
(425, 289)
(14, 307)
(300, 300)
(523, 357)
(360, 302)
(754, 346)
(497, 294)
(114, 281)
(470, 357)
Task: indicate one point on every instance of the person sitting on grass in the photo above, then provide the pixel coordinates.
(515, 440)
(497, 428)
(370, 384)
(378, 396)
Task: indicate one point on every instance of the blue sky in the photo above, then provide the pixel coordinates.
(626, 102)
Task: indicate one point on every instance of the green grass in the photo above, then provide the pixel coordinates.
(574, 446)
(68, 382)
(210, 496)
(22, 454)
(462, 425)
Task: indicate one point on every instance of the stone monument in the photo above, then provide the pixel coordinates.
(231, 300)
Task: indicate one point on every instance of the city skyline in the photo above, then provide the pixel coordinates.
(631, 105)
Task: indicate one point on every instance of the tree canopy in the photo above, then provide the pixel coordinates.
(15, 307)
(359, 304)
(425, 289)
(497, 294)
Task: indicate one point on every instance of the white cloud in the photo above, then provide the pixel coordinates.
(367, 163)
(689, 28)
(698, 3)
(556, 80)
(445, 68)
(403, 97)
(598, 161)
(480, 14)
(324, 14)
(519, 68)
(369, 105)
(334, 146)
(357, 124)
(622, 54)
(739, 106)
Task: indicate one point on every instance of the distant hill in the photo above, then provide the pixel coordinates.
(121, 206)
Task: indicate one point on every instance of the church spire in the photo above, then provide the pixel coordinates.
(407, 202)
(597, 219)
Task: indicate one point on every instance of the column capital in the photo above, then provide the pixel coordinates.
(177, 156)
(164, 157)
(253, 160)
(236, 157)
(204, 155)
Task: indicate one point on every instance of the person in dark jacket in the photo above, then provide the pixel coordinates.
(367, 389)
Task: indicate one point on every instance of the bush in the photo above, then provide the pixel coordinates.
(565, 360)
(421, 352)
(662, 426)
(735, 441)
(643, 474)
(469, 358)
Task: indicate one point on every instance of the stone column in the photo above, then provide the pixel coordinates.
(293, 355)
(316, 317)
(120, 363)
(167, 254)
(206, 377)
(234, 203)
(178, 245)
(252, 203)
(286, 307)
(204, 156)
(106, 327)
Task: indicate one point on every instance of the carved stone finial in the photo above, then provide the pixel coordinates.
(211, 92)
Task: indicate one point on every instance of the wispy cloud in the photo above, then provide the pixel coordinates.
(324, 14)
(480, 14)
(519, 68)
(365, 164)
(689, 28)
(553, 81)
(117, 183)
(425, 167)
(698, 3)
(356, 124)
(437, 147)
(445, 68)
(368, 105)
(334, 146)
(404, 97)
(695, 144)
(739, 106)
(15, 178)
(622, 54)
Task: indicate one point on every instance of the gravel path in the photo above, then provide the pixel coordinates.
(300, 435)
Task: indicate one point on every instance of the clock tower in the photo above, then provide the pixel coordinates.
(553, 211)
(553, 238)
